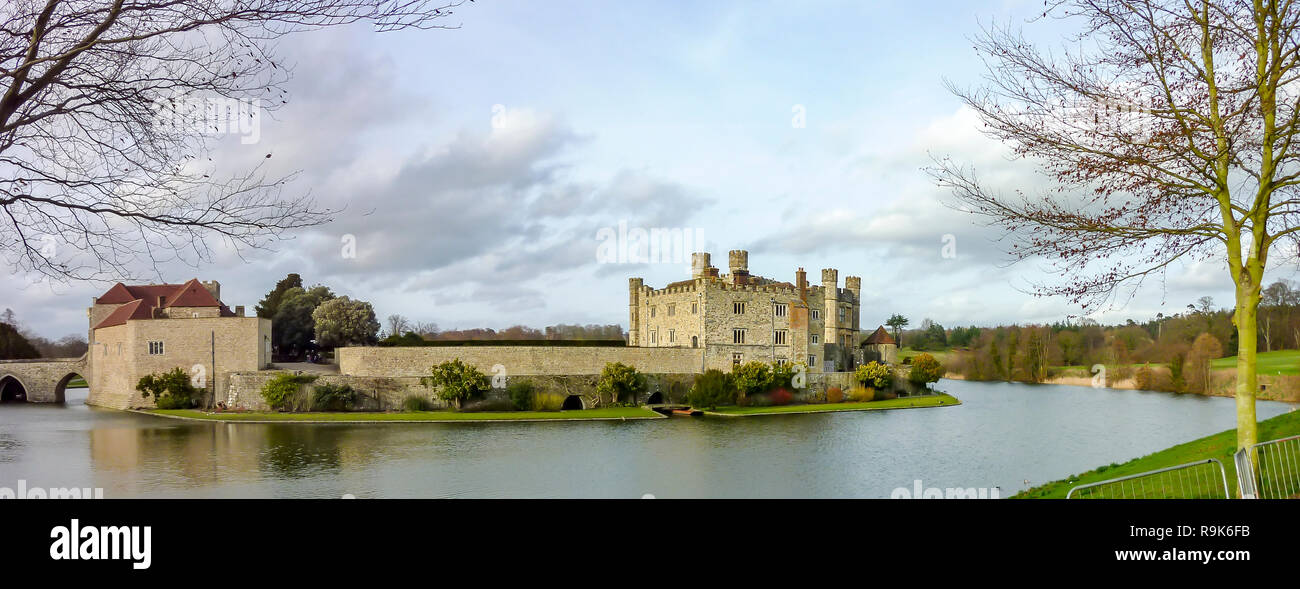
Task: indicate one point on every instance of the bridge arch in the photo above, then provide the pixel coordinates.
(656, 398)
(62, 385)
(573, 402)
(12, 389)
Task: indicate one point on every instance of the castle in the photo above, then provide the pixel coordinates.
(139, 330)
(739, 317)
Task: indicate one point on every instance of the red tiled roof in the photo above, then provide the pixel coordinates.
(880, 336)
(133, 310)
(138, 302)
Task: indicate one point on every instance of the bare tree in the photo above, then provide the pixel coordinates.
(398, 325)
(106, 111)
(1167, 129)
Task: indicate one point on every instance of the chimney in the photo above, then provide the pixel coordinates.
(801, 282)
(738, 262)
(239, 310)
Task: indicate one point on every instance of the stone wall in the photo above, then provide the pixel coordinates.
(379, 393)
(43, 379)
(514, 360)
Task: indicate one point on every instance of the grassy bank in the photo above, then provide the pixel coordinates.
(900, 403)
(1269, 363)
(1221, 446)
(413, 416)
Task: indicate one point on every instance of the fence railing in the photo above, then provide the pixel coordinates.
(1270, 470)
(1204, 479)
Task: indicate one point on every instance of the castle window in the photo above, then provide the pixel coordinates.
(695, 341)
(816, 315)
(781, 309)
(779, 338)
(672, 309)
(672, 336)
(780, 361)
(155, 348)
(812, 359)
(816, 339)
(841, 313)
(695, 308)
(738, 336)
(738, 308)
(652, 312)
(737, 358)
(654, 337)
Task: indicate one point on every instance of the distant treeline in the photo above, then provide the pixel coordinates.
(19, 343)
(602, 334)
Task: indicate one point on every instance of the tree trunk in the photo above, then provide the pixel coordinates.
(1247, 382)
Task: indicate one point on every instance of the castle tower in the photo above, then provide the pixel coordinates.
(831, 290)
(801, 283)
(213, 287)
(738, 265)
(634, 288)
(700, 263)
(854, 284)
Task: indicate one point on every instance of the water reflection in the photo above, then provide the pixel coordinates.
(1003, 434)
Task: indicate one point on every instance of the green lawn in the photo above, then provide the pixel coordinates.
(899, 403)
(418, 416)
(940, 355)
(1221, 446)
(1275, 362)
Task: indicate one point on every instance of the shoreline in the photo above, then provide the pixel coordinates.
(925, 402)
(1127, 384)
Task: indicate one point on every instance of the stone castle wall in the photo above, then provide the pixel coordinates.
(515, 360)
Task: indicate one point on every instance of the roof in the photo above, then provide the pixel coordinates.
(139, 301)
(879, 336)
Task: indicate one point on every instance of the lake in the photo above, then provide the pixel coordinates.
(1002, 435)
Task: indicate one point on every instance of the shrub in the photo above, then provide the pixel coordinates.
(489, 405)
(712, 388)
(1143, 379)
(925, 370)
(547, 402)
(752, 378)
(780, 397)
(861, 394)
(521, 394)
(455, 381)
(414, 403)
(620, 381)
(834, 395)
(874, 374)
(281, 391)
(170, 390)
(790, 375)
(331, 397)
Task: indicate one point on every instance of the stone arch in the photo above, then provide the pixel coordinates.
(573, 402)
(12, 389)
(63, 384)
(656, 398)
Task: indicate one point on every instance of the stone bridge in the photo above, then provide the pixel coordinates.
(41, 380)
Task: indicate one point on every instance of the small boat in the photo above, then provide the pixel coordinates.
(687, 412)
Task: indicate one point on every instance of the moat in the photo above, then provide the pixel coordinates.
(1001, 435)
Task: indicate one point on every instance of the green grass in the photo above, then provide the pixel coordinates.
(421, 416)
(1275, 362)
(77, 383)
(899, 403)
(940, 355)
(1220, 446)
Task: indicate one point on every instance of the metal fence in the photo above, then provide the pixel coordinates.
(1204, 479)
(1270, 470)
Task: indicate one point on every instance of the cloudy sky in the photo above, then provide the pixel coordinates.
(477, 166)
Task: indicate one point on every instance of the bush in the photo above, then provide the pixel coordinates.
(861, 394)
(834, 395)
(753, 378)
(547, 402)
(413, 403)
(331, 397)
(925, 370)
(521, 394)
(170, 390)
(712, 388)
(1143, 380)
(780, 397)
(455, 381)
(790, 375)
(874, 374)
(622, 383)
(281, 391)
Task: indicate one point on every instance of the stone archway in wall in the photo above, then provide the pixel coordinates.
(655, 398)
(67, 379)
(573, 402)
(12, 390)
